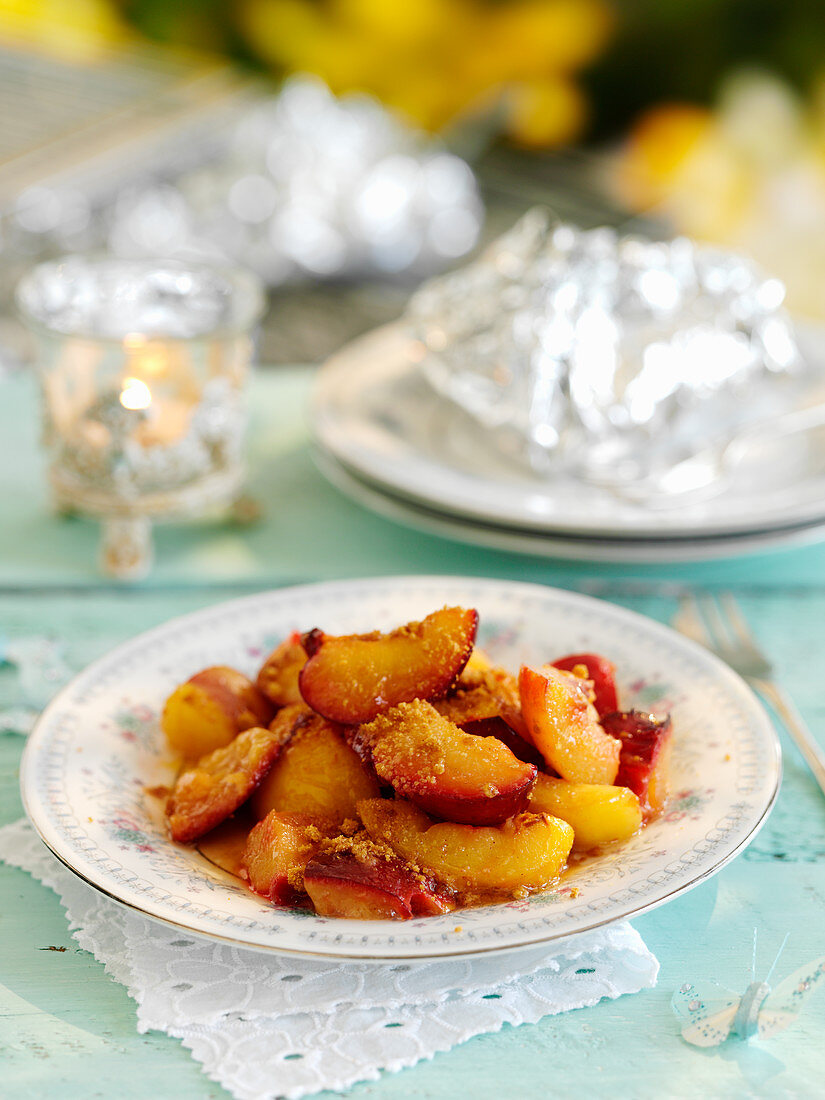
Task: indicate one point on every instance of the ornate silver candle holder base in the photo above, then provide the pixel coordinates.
(143, 369)
(126, 546)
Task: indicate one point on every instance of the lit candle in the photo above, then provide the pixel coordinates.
(135, 394)
(143, 369)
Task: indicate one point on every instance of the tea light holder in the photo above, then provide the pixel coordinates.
(143, 369)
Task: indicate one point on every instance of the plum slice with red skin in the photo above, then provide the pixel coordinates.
(564, 725)
(601, 673)
(205, 795)
(277, 851)
(352, 678)
(443, 770)
(210, 709)
(644, 758)
(340, 884)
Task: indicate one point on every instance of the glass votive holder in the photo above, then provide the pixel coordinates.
(143, 368)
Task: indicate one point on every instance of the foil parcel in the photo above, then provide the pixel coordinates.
(603, 356)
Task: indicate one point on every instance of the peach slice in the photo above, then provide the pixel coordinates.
(276, 854)
(599, 813)
(278, 675)
(644, 763)
(564, 726)
(525, 853)
(211, 709)
(602, 675)
(448, 773)
(352, 678)
(317, 773)
(365, 885)
(207, 794)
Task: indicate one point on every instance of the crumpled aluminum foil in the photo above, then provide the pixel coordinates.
(603, 356)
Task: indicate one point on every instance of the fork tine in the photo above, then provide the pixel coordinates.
(719, 630)
(721, 627)
(688, 620)
(737, 619)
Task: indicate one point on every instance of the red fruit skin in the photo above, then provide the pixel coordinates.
(340, 885)
(645, 755)
(471, 811)
(448, 805)
(497, 727)
(458, 794)
(312, 641)
(603, 674)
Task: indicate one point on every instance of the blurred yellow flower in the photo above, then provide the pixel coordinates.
(749, 175)
(76, 29)
(542, 113)
(662, 140)
(438, 61)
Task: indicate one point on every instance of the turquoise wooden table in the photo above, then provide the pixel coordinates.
(68, 1031)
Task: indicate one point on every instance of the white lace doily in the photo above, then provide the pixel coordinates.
(265, 1027)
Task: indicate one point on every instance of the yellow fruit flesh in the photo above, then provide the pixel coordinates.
(564, 726)
(194, 724)
(277, 851)
(598, 813)
(525, 853)
(317, 773)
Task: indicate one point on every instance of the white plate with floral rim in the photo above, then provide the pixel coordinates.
(98, 750)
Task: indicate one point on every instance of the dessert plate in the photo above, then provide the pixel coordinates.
(533, 543)
(97, 752)
(374, 412)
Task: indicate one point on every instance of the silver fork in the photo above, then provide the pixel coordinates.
(719, 625)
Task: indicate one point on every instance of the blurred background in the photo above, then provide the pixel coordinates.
(209, 126)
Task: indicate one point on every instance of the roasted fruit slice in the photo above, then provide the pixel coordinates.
(598, 813)
(564, 726)
(276, 854)
(600, 672)
(447, 772)
(525, 853)
(278, 675)
(207, 794)
(644, 763)
(317, 773)
(212, 708)
(353, 678)
(363, 884)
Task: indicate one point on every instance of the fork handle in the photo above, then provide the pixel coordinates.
(796, 726)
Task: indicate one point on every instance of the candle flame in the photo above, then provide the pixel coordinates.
(135, 394)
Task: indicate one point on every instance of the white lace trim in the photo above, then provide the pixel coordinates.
(264, 1026)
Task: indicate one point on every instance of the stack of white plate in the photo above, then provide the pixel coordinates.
(387, 440)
